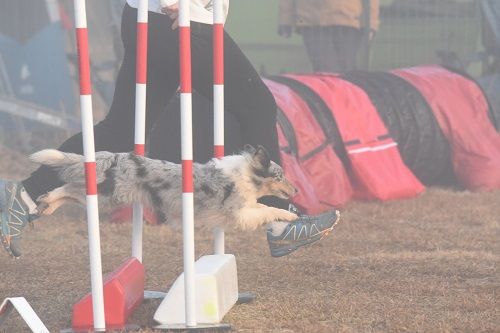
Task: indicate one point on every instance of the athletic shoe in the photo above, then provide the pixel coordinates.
(304, 230)
(14, 215)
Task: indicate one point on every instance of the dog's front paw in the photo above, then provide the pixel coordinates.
(287, 216)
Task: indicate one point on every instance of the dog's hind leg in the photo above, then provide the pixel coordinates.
(44, 209)
(50, 202)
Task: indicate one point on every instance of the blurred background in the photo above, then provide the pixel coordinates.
(38, 81)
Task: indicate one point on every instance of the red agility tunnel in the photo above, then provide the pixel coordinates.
(461, 110)
(307, 156)
(376, 168)
(392, 131)
(123, 293)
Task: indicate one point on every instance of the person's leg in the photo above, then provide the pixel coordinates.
(347, 42)
(320, 48)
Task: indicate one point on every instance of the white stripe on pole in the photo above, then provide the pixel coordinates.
(219, 11)
(219, 243)
(142, 11)
(95, 263)
(140, 113)
(218, 114)
(87, 128)
(189, 255)
(137, 230)
(184, 13)
(80, 14)
(186, 127)
(140, 119)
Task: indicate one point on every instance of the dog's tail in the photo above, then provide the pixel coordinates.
(70, 166)
(55, 158)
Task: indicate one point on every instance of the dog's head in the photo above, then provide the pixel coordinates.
(267, 176)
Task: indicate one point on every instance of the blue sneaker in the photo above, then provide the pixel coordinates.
(304, 230)
(14, 215)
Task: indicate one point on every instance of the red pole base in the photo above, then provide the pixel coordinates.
(123, 293)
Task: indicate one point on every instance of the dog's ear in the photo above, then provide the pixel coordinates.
(261, 157)
(249, 148)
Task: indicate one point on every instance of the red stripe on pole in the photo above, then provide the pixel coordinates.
(218, 29)
(187, 176)
(185, 59)
(90, 178)
(83, 60)
(139, 149)
(218, 151)
(142, 52)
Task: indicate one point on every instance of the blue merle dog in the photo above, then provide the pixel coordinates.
(225, 190)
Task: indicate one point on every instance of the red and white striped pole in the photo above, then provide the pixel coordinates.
(218, 68)
(90, 165)
(187, 161)
(140, 116)
(218, 54)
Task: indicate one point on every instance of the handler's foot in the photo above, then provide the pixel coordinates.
(304, 230)
(15, 206)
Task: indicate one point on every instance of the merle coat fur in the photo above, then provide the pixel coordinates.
(225, 190)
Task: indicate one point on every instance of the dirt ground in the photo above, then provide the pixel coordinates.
(429, 264)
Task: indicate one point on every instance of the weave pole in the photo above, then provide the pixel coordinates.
(218, 64)
(187, 161)
(218, 68)
(140, 116)
(90, 165)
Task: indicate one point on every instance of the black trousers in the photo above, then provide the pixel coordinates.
(332, 48)
(246, 96)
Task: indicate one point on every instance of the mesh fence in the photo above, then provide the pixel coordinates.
(426, 31)
(412, 32)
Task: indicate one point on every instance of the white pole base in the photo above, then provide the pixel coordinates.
(216, 288)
